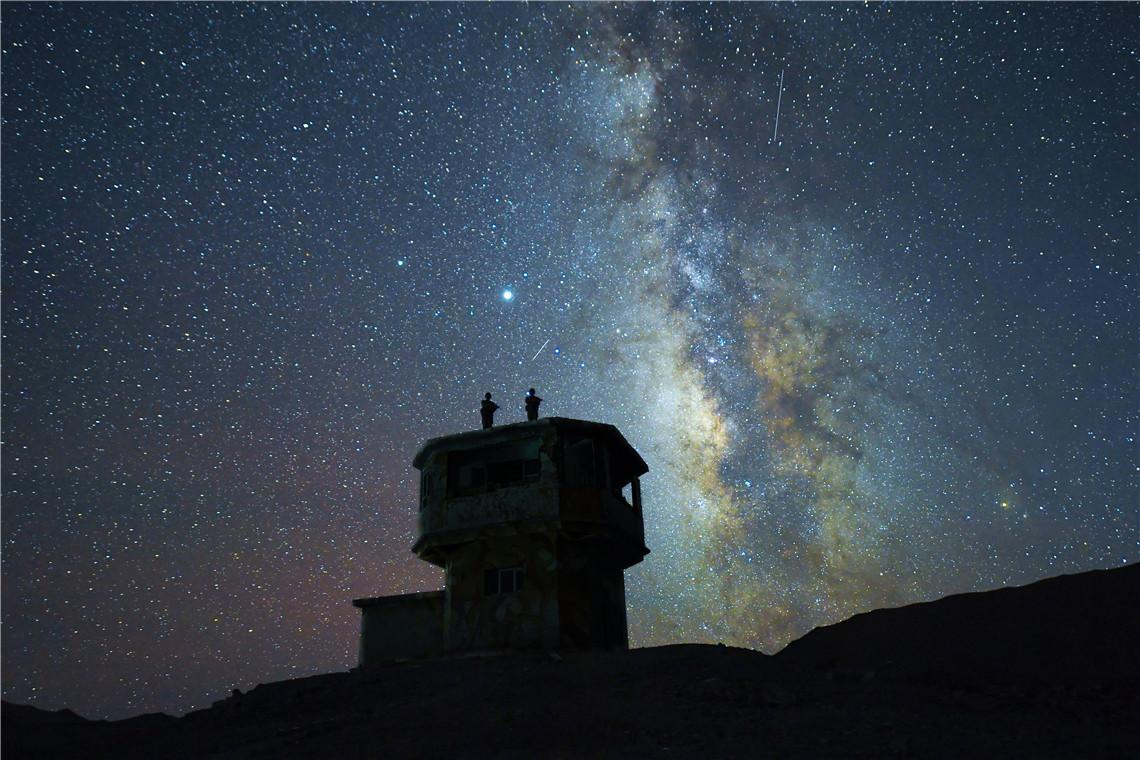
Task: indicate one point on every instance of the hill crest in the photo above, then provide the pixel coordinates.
(1045, 669)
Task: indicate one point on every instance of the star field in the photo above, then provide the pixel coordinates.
(254, 255)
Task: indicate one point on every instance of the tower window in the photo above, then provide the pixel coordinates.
(506, 580)
(479, 471)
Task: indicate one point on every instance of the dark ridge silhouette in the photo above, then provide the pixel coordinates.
(1068, 628)
(1046, 670)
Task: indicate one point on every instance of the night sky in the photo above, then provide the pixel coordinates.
(874, 331)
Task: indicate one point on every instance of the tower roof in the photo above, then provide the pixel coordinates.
(474, 439)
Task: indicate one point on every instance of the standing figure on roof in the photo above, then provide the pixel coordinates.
(487, 411)
(532, 402)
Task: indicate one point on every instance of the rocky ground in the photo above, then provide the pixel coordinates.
(1047, 670)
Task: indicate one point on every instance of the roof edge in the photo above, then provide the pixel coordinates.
(523, 429)
(375, 601)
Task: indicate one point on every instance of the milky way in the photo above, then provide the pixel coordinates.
(253, 256)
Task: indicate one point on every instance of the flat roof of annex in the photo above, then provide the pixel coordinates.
(559, 426)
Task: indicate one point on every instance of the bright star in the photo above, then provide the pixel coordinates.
(508, 295)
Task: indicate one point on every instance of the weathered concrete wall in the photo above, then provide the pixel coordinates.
(524, 619)
(573, 595)
(532, 502)
(453, 511)
(407, 626)
(591, 596)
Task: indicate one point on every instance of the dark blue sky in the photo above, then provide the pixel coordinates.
(254, 255)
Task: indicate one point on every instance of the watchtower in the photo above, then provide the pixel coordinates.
(534, 524)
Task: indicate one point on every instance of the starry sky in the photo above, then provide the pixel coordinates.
(858, 282)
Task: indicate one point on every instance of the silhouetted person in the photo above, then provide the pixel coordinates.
(532, 402)
(487, 411)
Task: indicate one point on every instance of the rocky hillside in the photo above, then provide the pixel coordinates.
(1046, 670)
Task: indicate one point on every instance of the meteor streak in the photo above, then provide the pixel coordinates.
(539, 351)
(779, 99)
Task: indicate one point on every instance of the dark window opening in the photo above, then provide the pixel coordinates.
(502, 474)
(471, 473)
(505, 580)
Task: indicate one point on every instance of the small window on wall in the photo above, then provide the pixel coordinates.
(476, 472)
(505, 580)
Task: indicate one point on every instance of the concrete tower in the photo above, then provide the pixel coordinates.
(534, 524)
